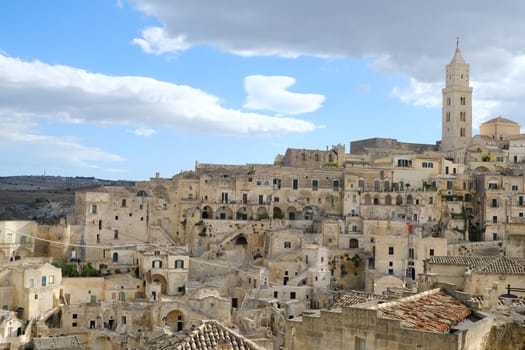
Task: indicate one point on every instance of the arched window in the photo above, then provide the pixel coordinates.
(179, 264)
(115, 257)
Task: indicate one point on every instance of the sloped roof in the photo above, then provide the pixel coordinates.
(486, 264)
(500, 120)
(457, 58)
(471, 261)
(207, 336)
(503, 265)
(355, 297)
(432, 311)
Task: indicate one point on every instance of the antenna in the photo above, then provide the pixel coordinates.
(457, 42)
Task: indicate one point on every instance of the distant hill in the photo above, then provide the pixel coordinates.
(44, 198)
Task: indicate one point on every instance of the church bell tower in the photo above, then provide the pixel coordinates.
(457, 105)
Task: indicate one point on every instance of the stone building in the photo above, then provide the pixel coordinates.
(445, 324)
(30, 286)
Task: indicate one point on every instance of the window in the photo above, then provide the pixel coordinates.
(75, 316)
(123, 203)
(390, 263)
(520, 200)
(495, 219)
(462, 132)
(520, 214)
(123, 319)
(450, 185)
(493, 186)
(446, 170)
(115, 234)
(315, 185)
(462, 100)
(411, 253)
(92, 324)
(430, 200)
(31, 283)
(51, 279)
(295, 184)
(335, 185)
(258, 182)
(179, 264)
(390, 250)
(462, 116)
(156, 264)
(115, 257)
(428, 165)
(275, 294)
(448, 116)
(390, 272)
(44, 279)
(94, 209)
(98, 238)
(448, 101)
(494, 203)
(224, 197)
(431, 252)
(288, 245)
(514, 187)
(404, 163)
(116, 217)
(494, 236)
(292, 295)
(74, 324)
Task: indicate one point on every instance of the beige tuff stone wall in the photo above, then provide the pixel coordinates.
(477, 283)
(353, 327)
(79, 290)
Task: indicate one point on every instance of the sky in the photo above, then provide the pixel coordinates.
(123, 89)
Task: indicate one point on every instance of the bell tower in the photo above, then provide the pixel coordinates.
(456, 130)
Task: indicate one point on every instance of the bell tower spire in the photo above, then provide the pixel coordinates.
(456, 130)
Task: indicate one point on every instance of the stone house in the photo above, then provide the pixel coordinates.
(30, 285)
(445, 324)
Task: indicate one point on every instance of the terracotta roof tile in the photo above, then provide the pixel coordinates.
(207, 336)
(487, 264)
(430, 311)
(355, 297)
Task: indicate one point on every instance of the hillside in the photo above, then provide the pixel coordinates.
(43, 198)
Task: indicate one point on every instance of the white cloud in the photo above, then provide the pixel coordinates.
(408, 38)
(18, 137)
(144, 132)
(155, 41)
(419, 93)
(71, 95)
(271, 93)
(496, 91)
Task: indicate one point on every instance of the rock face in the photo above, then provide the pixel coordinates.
(508, 335)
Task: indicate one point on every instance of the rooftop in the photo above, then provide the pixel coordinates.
(501, 120)
(432, 311)
(207, 336)
(486, 264)
(355, 297)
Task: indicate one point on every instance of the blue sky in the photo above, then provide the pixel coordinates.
(125, 89)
